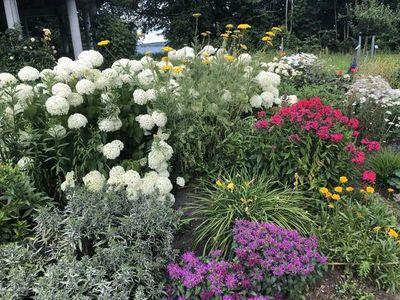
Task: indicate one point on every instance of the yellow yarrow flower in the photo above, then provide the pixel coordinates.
(103, 43)
(338, 189)
(349, 189)
(270, 34)
(392, 233)
(330, 205)
(266, 39)
(343, 179)
(206, 61)
(196, 15)
(244, 26)
(377, 228)
(390, 190)
(229, 26)
(178, 69)
(276, 29)
(220, 183)
(230, 186)
(236, 31)
(167, 49)
(243, 46)
(229, 57)
(225, 35)
(370, 189)
(336, 197)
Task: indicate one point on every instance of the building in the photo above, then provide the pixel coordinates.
(73, 17)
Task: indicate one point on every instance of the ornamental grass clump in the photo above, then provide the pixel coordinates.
(270, 261)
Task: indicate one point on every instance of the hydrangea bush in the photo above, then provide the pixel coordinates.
(270, 262)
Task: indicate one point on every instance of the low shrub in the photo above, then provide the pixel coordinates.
(242, 195)
(384, 163)
(270, 261)
(18, 202)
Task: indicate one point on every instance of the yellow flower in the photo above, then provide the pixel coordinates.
(370, 189)
(225, 35)
(206, 61)
(343, 179)
(229, 26)
(266, 39)
(204, 33)
(362, 191)
(324, 190)
(349, 189)
(338, 189)
(243, 46)
(196, 15)
(228, 31)
(178, 69)
(392, 233)
(336, 197)
(330, 205)
(166, 68)
(230, 186)
(219, 183)
(103, 43)
(269, 43)
(390, 190)
(270, 33)
(246, 210)
(276, 29)
(167, 48)
(164, 58)
(376, 228)
(244, 26)
(236, 31)
(228, 57)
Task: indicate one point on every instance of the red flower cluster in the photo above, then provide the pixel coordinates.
(369, 176)
(324, 121)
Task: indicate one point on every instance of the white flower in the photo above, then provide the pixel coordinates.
(256, 101)
(116, 178)
(85, 87)
(113, 150)
(180, 181)
(110, 124)
(74, 99)
(61, 89)
(24, 92)
(148, 183)
(94, 181)
(57, 131)
(208, 50)
(64, 61)
(227, 96)
(69, 182)
(146, 61)
(28, 74)
(136, 65)
(146, 77)
(6, 79)
(25, 163)
(57, 106)
(163, 185)
(132, 179)
(268, 99)
(159, 155)
(140, 97)
(244, 58)
(268, 79)
(145, 121)
(77, 121)
(151, 95)
(159, 118)
(93, 57)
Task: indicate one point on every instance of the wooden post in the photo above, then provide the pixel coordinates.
(373, 46)
(74, 27)
(12, 14)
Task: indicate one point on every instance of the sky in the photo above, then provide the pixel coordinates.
(153, 37)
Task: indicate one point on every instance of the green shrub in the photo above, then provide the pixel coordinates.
(241, 195)
(384, 163)
(351, 290)
(18, 201)
(102, 246)
(356, 234)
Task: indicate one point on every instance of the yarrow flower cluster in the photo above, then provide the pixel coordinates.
(263, 250)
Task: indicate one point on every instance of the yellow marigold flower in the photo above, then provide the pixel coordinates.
(270, 34)
(103, 43)
(330, 205)
(328, 195)
(230, 186)
(229, 58)
(229, 26)
(376, 228)
(178, 69)
(243, 46)
(349, 189)
(390, 190)
(220, 183)
(323, 190)
(336, 197)
(370, 189)
(343, 179)
(276, 29)
(167, 48)
(196, 15)
(338, 189)
(392, 233)
(244, 26)
(266, 39)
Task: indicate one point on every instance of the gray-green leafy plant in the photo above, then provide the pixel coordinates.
(385, 163)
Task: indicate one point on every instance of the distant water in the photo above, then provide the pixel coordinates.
(152, 47)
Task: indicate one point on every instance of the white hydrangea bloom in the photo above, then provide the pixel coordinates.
(256, 101)
(57, 131)
(151, 95)
(146, 77)
(208, 50)
(163, 185)
(110, 124)
(69, 182)
(94, 181)
(25, 163)
(244, 58)
(116, 178)
(136, 65)
(145, 121)
(267, 99)
(146, 61)
(57, 106)
(28, 74)
(110, 77)
(180, 181)
(93, 57)
(24, 92)
(75, 99)
(159, 118)
(85, 87)
(266, 80)
(6, 79)
(140, 97)
(121, 64)
(77, 121)
(46, 73)
(159, 155)
(61, 89)
(148, 183)
(64, 61)
(132, 179)
(113, 149)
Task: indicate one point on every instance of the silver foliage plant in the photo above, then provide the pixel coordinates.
(101, 246)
